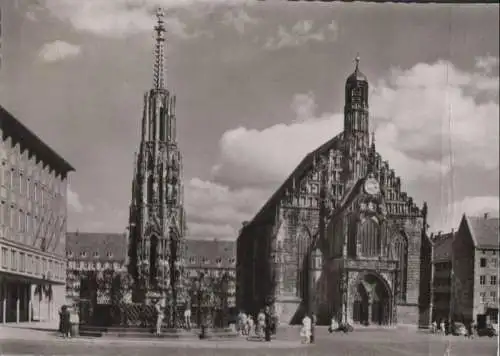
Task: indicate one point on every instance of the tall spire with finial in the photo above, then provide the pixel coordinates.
(159, 52)
(357, 63)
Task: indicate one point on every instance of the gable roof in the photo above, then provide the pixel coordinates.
(210, 250)
(484, 231)
(95, 242)
(306, 163)
(442, 244)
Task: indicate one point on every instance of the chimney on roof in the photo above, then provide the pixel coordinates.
(486, 216)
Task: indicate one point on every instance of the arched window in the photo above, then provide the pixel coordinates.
(401, 249)
(369, 237)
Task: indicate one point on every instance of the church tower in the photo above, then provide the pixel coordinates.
(356, 126)
(157, 218)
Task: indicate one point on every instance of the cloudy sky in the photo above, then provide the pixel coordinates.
(258, 86)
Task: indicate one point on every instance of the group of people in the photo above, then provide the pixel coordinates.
(446, 327)
(160, 315)
(262, 329)
(66, 319)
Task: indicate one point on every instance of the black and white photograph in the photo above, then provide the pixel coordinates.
(237, 177)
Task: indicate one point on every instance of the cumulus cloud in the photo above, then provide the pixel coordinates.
(125, 17)
(216, 211)
(487, 63)
(420, 115)
(301, 33)
(239, 19)
(472, 206)
(58, 50)
(75, 204)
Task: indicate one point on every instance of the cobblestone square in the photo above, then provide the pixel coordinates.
(360, 343)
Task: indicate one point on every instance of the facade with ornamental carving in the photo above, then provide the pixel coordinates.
(341, 230)
(157, 218)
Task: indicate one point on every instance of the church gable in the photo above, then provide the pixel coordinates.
(398, 202)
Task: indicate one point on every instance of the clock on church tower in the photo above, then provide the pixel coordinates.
(371, 186)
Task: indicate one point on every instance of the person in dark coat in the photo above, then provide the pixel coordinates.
(66, 326)
(268, 326)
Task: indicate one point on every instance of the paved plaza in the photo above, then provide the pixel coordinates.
(359, 343)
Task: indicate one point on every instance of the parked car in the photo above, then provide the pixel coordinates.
(490, 330)
(458, 329)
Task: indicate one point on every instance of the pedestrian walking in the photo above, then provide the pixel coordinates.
(268, 324)
(66, 322)
(261, 324)
(187, 317)
(159, 317)
(333, 325)
(250, 326)
(305, 332)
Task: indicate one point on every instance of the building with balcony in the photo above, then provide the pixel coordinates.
(33, 211)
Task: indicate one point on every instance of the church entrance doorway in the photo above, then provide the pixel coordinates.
(371, 301)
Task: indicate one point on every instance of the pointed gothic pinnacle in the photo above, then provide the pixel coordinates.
(159, 60)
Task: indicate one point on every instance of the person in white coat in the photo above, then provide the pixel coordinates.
(305, 333)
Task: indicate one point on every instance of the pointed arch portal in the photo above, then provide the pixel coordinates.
(371, 302)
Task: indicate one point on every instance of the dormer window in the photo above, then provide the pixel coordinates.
(109, 254)
(192, 260)
(96, 254)
(232, 260)
(83, 254)
(218, 260)
(69, 253)
(205, 260)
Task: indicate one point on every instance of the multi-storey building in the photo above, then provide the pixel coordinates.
(214, 259)
(157, 218)
(92, 252)
(442, 275)
(346, 203)
(475, 251)
(33, 213)
(89, 253)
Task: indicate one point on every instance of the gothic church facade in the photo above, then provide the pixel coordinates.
(344, 208)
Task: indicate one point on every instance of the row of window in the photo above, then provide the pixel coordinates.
(218, 260)
(83, 265)
(493, 297)
(85, 254)
(24, 186)
(483, 262)
(482, 280)
(18, 261)
(33, 173)
(27, 224)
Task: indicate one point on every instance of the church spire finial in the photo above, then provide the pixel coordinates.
(159, 53)
(357, 62)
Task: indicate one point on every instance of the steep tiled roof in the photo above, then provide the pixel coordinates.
(96, 246)
(484, 231)
(442, 247)
(304, 165)
(210, 253)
